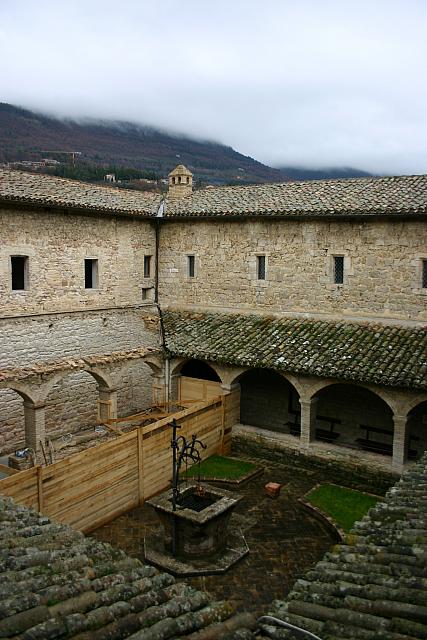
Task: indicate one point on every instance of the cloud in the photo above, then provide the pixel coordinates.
(309, 83)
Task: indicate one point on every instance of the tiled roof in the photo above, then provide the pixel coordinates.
(368, 353)
(56, 583)
(364, 196)
(374, 585)
(180, 170)
(32, 188)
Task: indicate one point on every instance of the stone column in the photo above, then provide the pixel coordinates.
(400, 442)
(107, 404)
(35, 430)
(227, 388)
(308, 420)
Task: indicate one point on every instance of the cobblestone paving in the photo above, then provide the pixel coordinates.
(284, 540)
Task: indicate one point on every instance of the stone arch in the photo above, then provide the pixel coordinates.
(268, 399)
(133, 383)
(352, 414)
(102, 378)
(194, 368)
(193, 379)
(417, 428)
(12, 418)
(22, 390)
(72, 401)
(320, 385)
(156, 364)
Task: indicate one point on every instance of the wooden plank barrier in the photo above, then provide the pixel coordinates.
(92, 487)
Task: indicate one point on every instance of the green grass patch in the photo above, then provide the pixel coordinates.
(221, 468)
(344, 506)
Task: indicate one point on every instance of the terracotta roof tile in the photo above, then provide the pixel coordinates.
(373, 585)
(41, 189)
(57, 583)
(392, 356)
(363, 196)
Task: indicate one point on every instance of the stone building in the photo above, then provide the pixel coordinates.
(310, 296)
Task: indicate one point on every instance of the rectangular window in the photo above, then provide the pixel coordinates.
(91, 273)
(339, 269)
(191, 263)
(19, 269)
(424, 275)
(147, 266)
(260, 267)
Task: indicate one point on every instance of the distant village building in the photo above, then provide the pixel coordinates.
(110, 177)
(308, 297)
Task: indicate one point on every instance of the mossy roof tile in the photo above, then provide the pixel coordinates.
(41, 189)
(356, 196)
(366, 353)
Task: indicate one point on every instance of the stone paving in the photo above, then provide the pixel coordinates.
(283, 538)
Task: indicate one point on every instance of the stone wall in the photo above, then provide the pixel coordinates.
(57, 244)
(382, 276)
(72, 403)
(12, 433)
(49, 337)
(355, 474)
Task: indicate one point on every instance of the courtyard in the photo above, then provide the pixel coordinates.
(284, 539)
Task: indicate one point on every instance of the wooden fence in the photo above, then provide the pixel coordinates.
(94, 486)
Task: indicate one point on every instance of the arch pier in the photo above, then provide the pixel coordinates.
(39, 386)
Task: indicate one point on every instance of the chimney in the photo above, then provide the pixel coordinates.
(180, 182)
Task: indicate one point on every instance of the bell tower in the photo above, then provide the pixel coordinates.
(180, 182)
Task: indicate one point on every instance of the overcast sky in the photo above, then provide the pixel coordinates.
(304, 82)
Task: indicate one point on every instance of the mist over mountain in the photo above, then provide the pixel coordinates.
(301, 173)
(26, 135)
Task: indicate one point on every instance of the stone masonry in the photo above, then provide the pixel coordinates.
(382, 262)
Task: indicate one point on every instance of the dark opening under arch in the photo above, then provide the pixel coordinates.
(267, 400)
(199, 369)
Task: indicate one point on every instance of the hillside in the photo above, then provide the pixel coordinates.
(25, 135)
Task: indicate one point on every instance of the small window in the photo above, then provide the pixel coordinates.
(260, 267)
(424, 274)
(191, 262)
(339, 269)
(147, 266)
(19, 266)
(91, 273)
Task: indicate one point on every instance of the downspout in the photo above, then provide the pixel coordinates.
(158, 223)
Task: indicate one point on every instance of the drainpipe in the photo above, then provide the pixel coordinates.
(157, 223)
(297, 631)
(167, 380)
(165, 354)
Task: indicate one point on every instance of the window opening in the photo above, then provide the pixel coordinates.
(260, 267)
(147, 266)
(19, 272)
(191, 266)
(91, 273)
(339, 269)
(424, 275)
